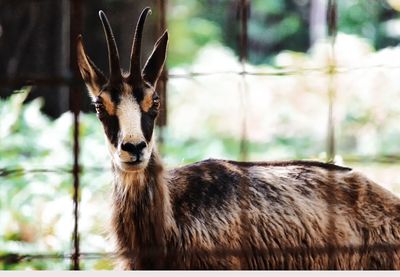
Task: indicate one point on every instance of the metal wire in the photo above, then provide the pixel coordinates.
(75, 106)
(244, 13)
(332, 32)
(9, 172)
(73, 82)
(274, 71)
(162, 81)
(318, 250)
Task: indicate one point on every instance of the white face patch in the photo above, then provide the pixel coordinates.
(129, 115)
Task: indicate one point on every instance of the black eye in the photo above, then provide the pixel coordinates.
(100, 110)
(99, 107)
(156, 100)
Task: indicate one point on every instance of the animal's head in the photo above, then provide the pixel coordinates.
(126, 104)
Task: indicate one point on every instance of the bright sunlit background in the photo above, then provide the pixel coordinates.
(281, 115)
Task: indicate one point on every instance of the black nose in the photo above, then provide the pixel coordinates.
(134, 149)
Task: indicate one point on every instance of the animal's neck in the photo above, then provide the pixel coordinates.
(142, 217)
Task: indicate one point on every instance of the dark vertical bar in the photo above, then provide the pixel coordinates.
(331, 200)
(244, 11)
(75, 104)
(332, 18)
(63, 93)
(332, 30)
(162, 83)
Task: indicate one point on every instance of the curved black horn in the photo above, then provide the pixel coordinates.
(135, 75)
(113, 56)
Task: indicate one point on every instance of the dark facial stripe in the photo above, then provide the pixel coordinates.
(148, 118)
(111, 128)
(110, 122)
(147, 124)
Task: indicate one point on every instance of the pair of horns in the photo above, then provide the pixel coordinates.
(135, 76)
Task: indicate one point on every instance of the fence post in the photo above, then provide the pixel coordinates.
(244, 11)
(332, 249)
(332, 30)
(162, 83)
(75, 105)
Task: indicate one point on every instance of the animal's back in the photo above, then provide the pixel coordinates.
(294, 215)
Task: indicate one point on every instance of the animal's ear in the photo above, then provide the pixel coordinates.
(153, 67)
(92, 76)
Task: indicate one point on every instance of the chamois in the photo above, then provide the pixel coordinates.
(221, 214)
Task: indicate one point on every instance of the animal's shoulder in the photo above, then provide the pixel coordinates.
(206, 174)
(225, 176)
(306, 164)
(229, 167)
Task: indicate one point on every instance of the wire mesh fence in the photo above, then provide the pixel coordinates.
(72, 80)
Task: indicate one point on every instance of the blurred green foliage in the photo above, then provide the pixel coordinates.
(368, 19)
(273, 26)
(191, 31)
(36, 184)
(36, 207)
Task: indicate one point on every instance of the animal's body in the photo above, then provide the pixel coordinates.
(219, 214)
(281, 215)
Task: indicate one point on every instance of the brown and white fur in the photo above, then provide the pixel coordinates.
(219, 214)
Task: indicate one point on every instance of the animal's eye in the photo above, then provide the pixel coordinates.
(100, 110)
(99, 107)
(156, 100)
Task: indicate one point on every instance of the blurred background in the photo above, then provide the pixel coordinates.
(245, 80)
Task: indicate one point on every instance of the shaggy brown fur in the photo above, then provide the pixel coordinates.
(219, 214)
